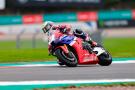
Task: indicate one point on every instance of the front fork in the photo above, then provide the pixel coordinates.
(63, 47)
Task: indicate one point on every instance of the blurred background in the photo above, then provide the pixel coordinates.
(109, 22)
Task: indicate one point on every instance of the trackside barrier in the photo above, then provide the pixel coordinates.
(10, 20)
(34, 38)
(18, 39)
(96, 36)
(115, 15)
(20, 34)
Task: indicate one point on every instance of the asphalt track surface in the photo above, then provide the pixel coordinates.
(85, 72)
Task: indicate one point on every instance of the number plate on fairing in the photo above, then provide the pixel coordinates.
(99, 50)
(89, 58)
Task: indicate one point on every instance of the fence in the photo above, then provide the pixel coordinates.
(96, 36)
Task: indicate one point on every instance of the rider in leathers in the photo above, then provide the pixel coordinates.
(66, 29)
(57, 31)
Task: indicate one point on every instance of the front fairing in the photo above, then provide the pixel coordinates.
(65, 39)
(59, 38)
(51, 36)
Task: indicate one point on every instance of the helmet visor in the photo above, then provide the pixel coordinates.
(47, 28)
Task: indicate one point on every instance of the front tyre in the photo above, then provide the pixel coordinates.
(68, 59)
(60, 62)
(105, 59)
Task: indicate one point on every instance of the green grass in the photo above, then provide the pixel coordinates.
(118, 47)
(9, 52)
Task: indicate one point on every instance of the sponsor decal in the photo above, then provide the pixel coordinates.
(133, 14)
(87, 16)
(30, 19)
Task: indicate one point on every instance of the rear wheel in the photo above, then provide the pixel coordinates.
(105, 59)
(69, 59)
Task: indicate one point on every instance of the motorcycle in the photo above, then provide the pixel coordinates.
(70, 52)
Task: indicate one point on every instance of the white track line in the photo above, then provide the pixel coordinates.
(36, 65)
(11, 83)
(121, 62)
(55, 64)
(39, 65)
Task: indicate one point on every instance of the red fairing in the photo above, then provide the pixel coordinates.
(84, 57)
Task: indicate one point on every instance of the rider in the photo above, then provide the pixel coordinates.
(59, 31)
(66, 29)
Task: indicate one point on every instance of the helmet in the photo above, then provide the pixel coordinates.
(65, 28)
(78, 32)
(47, 26)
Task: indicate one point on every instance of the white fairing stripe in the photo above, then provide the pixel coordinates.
(52, 39)
(72, 43)
(99, 50)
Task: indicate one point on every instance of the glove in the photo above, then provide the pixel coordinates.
(94, 43)
(54, 27)
(87, 46)
(50, 49)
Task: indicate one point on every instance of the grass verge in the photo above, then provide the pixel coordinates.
(9, 52)
(120, 47)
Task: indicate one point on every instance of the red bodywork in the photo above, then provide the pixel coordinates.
(84, 57)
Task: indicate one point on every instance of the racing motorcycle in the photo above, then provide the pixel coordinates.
(70, 52)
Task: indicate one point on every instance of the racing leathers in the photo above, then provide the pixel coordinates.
(56, 33)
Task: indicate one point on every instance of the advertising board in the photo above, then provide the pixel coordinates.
(116, 23)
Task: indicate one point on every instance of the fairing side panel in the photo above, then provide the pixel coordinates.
(84, 57)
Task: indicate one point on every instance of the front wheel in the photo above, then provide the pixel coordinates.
(105, 59)
(68, 59)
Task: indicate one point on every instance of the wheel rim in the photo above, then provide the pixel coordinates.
(69, 58)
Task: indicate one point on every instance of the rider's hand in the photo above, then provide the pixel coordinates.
(54, 27)
(94, 43)
(49, 48)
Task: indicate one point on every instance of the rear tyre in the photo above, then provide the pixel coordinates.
(105, 59)
(69, 60)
